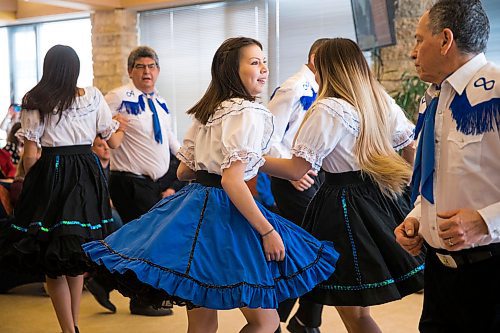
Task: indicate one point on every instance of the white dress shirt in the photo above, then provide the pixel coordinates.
(328, 136)
(139, 153)
(288, 110)
(239, 130)
(88, 116)
(467, 166)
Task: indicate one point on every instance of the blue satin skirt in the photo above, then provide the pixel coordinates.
(196, 249)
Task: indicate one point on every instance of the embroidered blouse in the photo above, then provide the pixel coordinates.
(79, 125)
(328, 136)
(239, 130)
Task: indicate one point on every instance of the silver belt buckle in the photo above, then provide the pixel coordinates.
(447, 260)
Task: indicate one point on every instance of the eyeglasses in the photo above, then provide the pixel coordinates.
(143, 66)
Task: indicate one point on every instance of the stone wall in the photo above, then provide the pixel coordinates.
(114, 35)
(396, 59)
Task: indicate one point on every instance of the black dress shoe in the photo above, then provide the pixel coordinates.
(147, 310)
(295, 327)
(100, 294)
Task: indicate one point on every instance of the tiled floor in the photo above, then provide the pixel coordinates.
(25, 310)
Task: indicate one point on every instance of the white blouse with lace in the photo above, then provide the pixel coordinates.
(239, 130)
(328, 136)
(78, 125)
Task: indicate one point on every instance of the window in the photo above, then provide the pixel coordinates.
(4, 73)
(186, 39)
(492, 8)
(74, 33)
(24, 60)
(299, 24)
(29, 43)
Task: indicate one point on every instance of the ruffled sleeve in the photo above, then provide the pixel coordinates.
(31, 126)
(106, 126)
(402, 129)
(247, 128)
(186, 152)
(327, 123)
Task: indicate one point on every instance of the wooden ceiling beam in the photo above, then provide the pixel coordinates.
(83, 5)
(8, 5)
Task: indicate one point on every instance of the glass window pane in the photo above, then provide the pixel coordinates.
(24, 61)
(74, 33)
(186, 39)
(492, 8)
(4, 80)
(4, 73)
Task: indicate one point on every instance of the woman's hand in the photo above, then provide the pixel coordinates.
(123, 120)
(274, 249)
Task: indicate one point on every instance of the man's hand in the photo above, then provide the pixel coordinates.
(305, 182)
(168, 192)
(407, 236)
(461, 228)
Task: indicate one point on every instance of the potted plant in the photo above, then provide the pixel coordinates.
(409, 94)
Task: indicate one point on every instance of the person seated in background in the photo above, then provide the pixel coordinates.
(12, 117)
(14, 146)
(102, 151)
(10, 154)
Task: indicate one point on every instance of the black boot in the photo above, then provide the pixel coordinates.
(100, 294)
(295, 327)
(147, 310)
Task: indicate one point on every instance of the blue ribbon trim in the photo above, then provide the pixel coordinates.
(307, 101)
(134, 108)
(477, 119)
(163, 106)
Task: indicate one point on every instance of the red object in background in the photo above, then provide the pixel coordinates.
(7, 167)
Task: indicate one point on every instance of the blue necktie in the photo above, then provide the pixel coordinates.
(156, 120)
(307, 101)
(423, 169)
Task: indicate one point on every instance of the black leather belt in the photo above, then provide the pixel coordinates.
(456, 259)
(208, 179)
(128, 174)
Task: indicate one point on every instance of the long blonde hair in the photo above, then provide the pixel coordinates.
(344, 73)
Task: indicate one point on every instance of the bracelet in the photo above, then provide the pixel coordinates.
(267, 233)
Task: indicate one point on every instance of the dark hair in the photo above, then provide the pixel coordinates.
(141, 52)
(315, 46)
(57, 89)
(11, 137)
(466, 19)
(226, 82)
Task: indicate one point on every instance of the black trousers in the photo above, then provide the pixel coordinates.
(292, 205)
(133, 196)
(465, 299)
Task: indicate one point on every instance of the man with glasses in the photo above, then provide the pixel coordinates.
(139, 167)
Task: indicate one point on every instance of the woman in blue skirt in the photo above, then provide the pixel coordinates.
(211, 246)
(353, 132)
